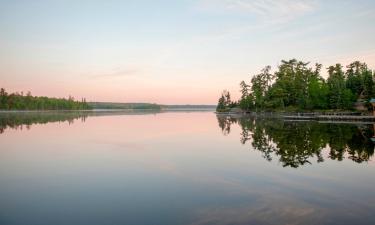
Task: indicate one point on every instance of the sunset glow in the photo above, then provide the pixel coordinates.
(171, 52)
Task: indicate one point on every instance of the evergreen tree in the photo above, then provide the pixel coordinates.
(339, 96)
(221, 104)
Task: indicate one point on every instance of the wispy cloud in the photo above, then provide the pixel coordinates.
(267, 9)
(116, 73)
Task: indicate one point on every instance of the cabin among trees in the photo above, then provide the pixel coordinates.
(296, 86)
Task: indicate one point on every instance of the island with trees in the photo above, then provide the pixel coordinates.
(297, 87)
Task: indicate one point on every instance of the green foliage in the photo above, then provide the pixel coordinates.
(247, 102)
(221, 104)
(260, 84)
(225, 103)
(295, 85)
(339, 96)
(17, 101)
(317, 94)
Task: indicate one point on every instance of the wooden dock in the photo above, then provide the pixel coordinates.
(331, 118)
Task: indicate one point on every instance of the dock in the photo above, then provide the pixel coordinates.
(331, 117)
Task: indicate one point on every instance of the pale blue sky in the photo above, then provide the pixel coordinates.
(171, 51)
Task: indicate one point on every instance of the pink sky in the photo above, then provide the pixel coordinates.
(181, 53)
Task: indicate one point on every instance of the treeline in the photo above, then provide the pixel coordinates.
(19, 101)
(296, 86)
(115, 105)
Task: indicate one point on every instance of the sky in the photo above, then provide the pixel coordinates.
(171, 52)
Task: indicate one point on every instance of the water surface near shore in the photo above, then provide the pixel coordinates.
(183, 168)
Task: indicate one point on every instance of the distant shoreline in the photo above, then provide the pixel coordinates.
(169, 109)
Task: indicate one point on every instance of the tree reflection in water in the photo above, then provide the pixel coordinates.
(19, 120)
(297, 143)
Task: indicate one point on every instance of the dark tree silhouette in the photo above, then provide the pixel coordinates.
(298, 143)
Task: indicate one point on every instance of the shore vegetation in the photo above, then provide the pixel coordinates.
(21, 101)
(297, 86)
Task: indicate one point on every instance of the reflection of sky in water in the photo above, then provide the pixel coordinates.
(169, 168)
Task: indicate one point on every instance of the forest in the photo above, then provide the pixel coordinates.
(296, 86)
(19, 101)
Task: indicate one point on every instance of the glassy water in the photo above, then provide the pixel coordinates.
(183, 168)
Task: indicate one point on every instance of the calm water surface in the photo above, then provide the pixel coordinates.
(183, 168)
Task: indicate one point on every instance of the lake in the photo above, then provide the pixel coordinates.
(183, 168)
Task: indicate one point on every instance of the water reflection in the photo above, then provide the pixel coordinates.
(21, 120)
(177, 168)
(25, 120)
(297, 143)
